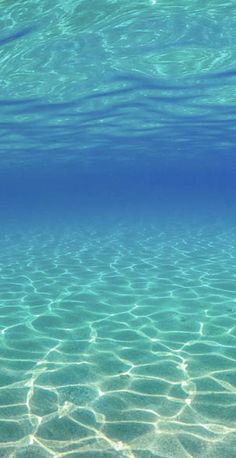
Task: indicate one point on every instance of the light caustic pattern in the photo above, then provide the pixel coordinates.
(118, 345)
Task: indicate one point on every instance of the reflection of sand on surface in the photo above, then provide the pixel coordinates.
(118, 346)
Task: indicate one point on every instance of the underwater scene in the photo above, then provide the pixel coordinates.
(117, 229)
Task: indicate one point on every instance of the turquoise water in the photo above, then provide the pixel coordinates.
(122, 81)
(118, 344)
(117, 229)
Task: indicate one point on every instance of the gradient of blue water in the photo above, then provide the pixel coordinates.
(117, 195)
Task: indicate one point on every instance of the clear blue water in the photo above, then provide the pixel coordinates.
(117, 234)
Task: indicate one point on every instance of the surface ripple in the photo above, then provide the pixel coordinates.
(84, 80)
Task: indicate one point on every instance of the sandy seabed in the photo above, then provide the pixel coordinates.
(118, 344)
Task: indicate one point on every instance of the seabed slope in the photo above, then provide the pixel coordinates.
(118, 344)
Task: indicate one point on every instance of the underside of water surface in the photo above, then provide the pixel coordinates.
(117, 229)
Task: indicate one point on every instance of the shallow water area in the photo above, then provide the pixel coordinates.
(118, 344)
